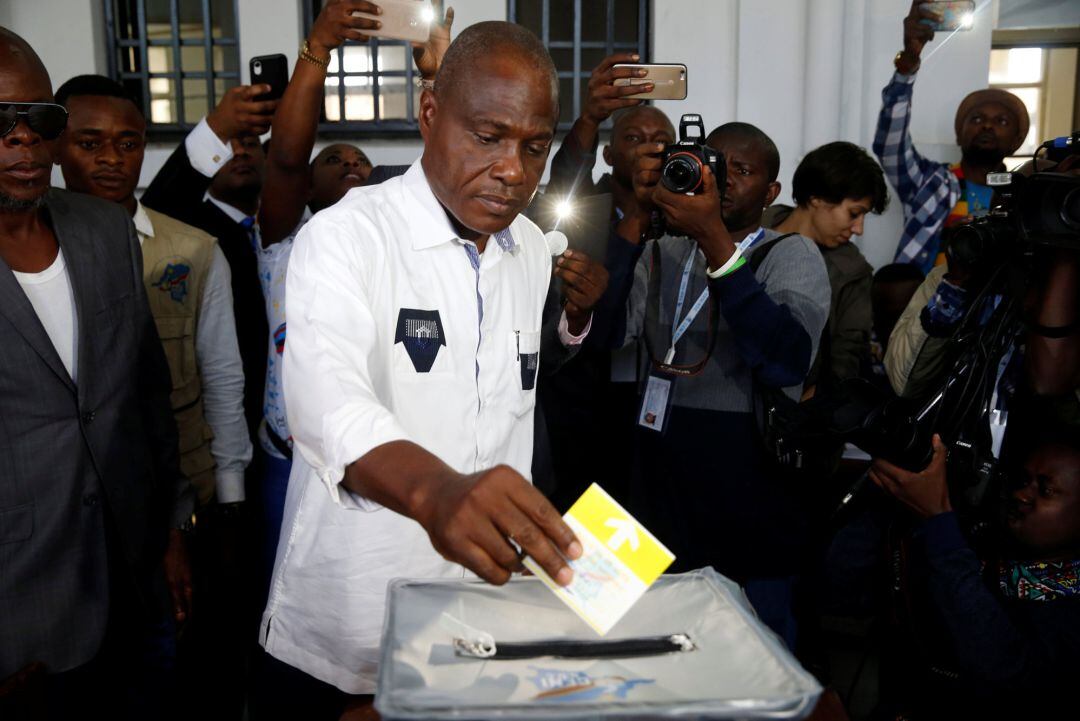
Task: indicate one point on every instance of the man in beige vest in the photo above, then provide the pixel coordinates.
(187, 281)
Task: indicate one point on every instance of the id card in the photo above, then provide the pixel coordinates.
(656, 402)
(620, 559)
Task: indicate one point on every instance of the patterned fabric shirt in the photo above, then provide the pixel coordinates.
(927, 189)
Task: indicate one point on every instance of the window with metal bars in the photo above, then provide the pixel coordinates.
(370, 86)
(579, 34)
(176, 57)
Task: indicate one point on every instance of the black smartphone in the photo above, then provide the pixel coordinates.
(273, 70)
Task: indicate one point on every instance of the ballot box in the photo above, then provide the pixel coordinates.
(691, 648)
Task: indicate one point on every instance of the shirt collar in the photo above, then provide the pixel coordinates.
(143, 224)
(235, 213)
(431, 226)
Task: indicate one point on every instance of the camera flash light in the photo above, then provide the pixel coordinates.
(564, 209)
(967, 20)
(427, 14)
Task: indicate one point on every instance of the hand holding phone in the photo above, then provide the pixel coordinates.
(240, 112)
(401, 20)
(272, 70)
(659, 82)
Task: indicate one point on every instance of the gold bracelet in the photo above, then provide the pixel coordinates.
(306, 54)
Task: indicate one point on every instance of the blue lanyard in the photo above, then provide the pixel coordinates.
(680, 328)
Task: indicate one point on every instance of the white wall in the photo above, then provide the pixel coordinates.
(805, 71)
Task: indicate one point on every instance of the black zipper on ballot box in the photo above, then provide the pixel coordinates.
(558, 648)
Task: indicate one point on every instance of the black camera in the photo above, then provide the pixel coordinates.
(1040, 209)
(684, 161)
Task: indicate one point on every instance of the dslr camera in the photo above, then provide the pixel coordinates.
(684, 162)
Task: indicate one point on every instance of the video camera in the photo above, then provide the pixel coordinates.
(1040, 209)
(684, 162)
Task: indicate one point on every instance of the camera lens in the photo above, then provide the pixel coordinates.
(681, 173)
(1070, 209)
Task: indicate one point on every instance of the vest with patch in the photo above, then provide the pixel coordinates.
(176, 260)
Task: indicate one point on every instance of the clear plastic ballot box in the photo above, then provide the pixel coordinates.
(691, 648)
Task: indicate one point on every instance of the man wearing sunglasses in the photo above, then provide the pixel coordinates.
(90, 476)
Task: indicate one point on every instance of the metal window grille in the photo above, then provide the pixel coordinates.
(579, 34)
(176, 57)
(370, 86)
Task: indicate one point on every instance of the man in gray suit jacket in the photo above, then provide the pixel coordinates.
(89, 475)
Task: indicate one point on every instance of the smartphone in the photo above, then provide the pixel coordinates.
(273, 70)
(669, 80)
(955, 15)
(402, 20)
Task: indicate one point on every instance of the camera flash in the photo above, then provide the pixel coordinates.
(427, 14)
(967, 20)
(564, 209)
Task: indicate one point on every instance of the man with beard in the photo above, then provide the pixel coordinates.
(90, 481)
(713, 325)
(990, 125)
(415, 310)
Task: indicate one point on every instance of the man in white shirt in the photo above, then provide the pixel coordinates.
(415, 309)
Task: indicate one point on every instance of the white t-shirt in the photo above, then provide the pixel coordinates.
(53, 299)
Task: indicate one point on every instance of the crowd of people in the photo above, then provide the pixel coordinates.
(205, 490)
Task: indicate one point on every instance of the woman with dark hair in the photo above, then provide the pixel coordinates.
(834, 187)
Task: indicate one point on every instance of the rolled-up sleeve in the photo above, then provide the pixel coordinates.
(331, 361)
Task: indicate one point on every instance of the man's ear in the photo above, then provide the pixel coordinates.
(773, 194)
(607, 155)
(429, 106)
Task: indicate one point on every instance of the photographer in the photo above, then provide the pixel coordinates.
(594, 396)
(987, 635)
(700, 479)
(990, 125)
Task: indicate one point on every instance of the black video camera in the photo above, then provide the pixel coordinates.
(684, 161)
(1040, 209)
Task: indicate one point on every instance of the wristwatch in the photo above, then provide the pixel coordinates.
(899, 57)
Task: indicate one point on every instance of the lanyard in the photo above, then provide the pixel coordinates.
(681, 327)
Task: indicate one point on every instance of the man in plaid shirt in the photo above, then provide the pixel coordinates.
(990, 125)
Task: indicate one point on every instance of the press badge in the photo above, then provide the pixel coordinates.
(656, 403)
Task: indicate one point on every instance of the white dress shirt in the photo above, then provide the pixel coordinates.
(365, 277)
(220, 370)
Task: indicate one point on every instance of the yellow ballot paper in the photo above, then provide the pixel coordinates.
(620, 560)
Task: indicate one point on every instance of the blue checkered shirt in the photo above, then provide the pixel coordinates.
(927, 189)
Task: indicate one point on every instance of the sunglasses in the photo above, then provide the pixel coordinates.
(46, 119)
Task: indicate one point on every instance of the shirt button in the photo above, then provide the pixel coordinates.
(88, 417)
(90, 499)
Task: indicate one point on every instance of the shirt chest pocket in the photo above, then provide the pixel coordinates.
(525, 360)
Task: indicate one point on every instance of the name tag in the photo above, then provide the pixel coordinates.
(656, 403)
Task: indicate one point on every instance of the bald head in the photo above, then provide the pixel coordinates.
(485, 42)
(16, 56)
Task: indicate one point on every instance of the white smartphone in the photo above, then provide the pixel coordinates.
(402, 20)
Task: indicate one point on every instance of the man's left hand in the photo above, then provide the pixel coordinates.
(698, 216)
(584, 281)
(178, 575)
(926, 492)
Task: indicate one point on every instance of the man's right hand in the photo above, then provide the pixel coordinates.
(917, 33)
(645, 177)
(604, 97)
(471, 520)
(239, 113)
(336, 24)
